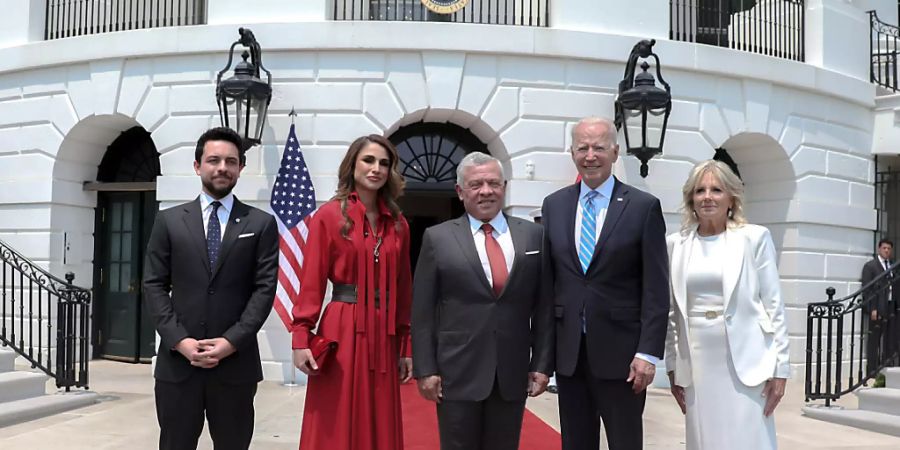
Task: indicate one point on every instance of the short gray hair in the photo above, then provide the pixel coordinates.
(611, 132)
(476, 159)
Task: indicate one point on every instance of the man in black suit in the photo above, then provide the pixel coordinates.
(876, 304)
(482, 329)
(604, 255)
(209, 284)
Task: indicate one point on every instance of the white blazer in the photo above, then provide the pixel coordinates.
(754, 312)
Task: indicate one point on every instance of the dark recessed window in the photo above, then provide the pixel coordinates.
(132, 157)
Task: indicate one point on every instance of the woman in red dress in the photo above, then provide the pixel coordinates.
(360, 242)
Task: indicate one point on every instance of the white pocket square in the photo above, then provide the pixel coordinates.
(246, 235)
(533, 252)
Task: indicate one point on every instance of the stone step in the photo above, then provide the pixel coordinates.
(857, 418)
(882, 400)
(7, 360)
(46, 405)
(892, 377)
(20, 385)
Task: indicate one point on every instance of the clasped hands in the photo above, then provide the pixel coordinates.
(205, 353)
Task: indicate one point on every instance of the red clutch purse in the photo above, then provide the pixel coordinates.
(322, 350)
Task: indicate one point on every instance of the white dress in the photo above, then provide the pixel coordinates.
(722, 413)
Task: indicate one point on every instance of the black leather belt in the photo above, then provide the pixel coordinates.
(347, 293)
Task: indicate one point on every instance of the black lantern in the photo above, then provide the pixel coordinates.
(643, 106)
(244, 98)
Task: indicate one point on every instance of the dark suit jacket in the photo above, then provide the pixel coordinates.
(625, 294)
(879, 302)
(465, 334)
(187, 299)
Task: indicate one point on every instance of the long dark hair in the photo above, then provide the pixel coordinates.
(389, 193)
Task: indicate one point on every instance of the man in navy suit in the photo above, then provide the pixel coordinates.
(604, 255)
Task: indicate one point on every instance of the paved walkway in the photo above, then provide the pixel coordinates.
(126, 419)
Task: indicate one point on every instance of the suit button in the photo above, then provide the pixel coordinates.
(202, 324)
(211, 291)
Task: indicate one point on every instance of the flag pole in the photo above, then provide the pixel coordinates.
(292, 382)
(293, 202)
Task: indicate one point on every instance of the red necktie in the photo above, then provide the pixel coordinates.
(495, 259)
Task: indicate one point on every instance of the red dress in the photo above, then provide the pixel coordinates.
(354, 402)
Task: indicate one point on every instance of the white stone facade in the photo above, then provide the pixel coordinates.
(801, 133)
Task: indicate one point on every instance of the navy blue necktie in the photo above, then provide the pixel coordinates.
(213, 234)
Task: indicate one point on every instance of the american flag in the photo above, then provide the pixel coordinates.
(293, 202)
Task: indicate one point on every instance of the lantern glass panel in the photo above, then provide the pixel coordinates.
(240, 111)
(635, 130)
(260, 110)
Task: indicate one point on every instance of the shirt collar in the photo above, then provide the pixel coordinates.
(498, 222)
(383, 208)
(882, 260)
(226, 201)
(604, 189)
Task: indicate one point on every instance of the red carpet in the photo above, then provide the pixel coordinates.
(420, 427)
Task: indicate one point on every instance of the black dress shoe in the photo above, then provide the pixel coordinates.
(553, 389)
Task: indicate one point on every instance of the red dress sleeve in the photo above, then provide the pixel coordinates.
(313, 279)
(404, 292)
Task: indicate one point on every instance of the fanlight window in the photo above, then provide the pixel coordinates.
(430, 153)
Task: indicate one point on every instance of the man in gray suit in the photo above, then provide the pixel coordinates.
(482, 326)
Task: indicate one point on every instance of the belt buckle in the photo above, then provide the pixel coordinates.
(710, 315)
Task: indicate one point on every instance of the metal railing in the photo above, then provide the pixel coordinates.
(768, 27)
(44, 319)
(67, 18)
(844, 347)
(493, 12)
(883, 52)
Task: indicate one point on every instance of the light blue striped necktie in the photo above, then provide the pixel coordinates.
(588, 231)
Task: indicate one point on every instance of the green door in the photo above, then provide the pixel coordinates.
(124, 223)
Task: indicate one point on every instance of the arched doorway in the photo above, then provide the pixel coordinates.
(429, 155)
(126, 208)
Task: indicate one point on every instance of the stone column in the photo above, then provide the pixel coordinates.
(837, 37)
(645, 19)
(22, 22)
(241, 12)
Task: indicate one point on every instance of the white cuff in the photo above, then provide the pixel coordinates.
(649, 358)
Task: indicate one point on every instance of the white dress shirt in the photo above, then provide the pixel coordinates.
(503, 237)
(223, 213)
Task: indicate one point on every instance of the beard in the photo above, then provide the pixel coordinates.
(218, 192)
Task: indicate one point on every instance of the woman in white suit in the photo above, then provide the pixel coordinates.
(727, 344)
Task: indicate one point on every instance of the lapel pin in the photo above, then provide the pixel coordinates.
(238, 219)
(619, 199)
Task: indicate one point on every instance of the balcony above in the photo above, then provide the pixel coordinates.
(533, 13)
(783, 29)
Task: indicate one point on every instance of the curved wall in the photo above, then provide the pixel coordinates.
(800, 134)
